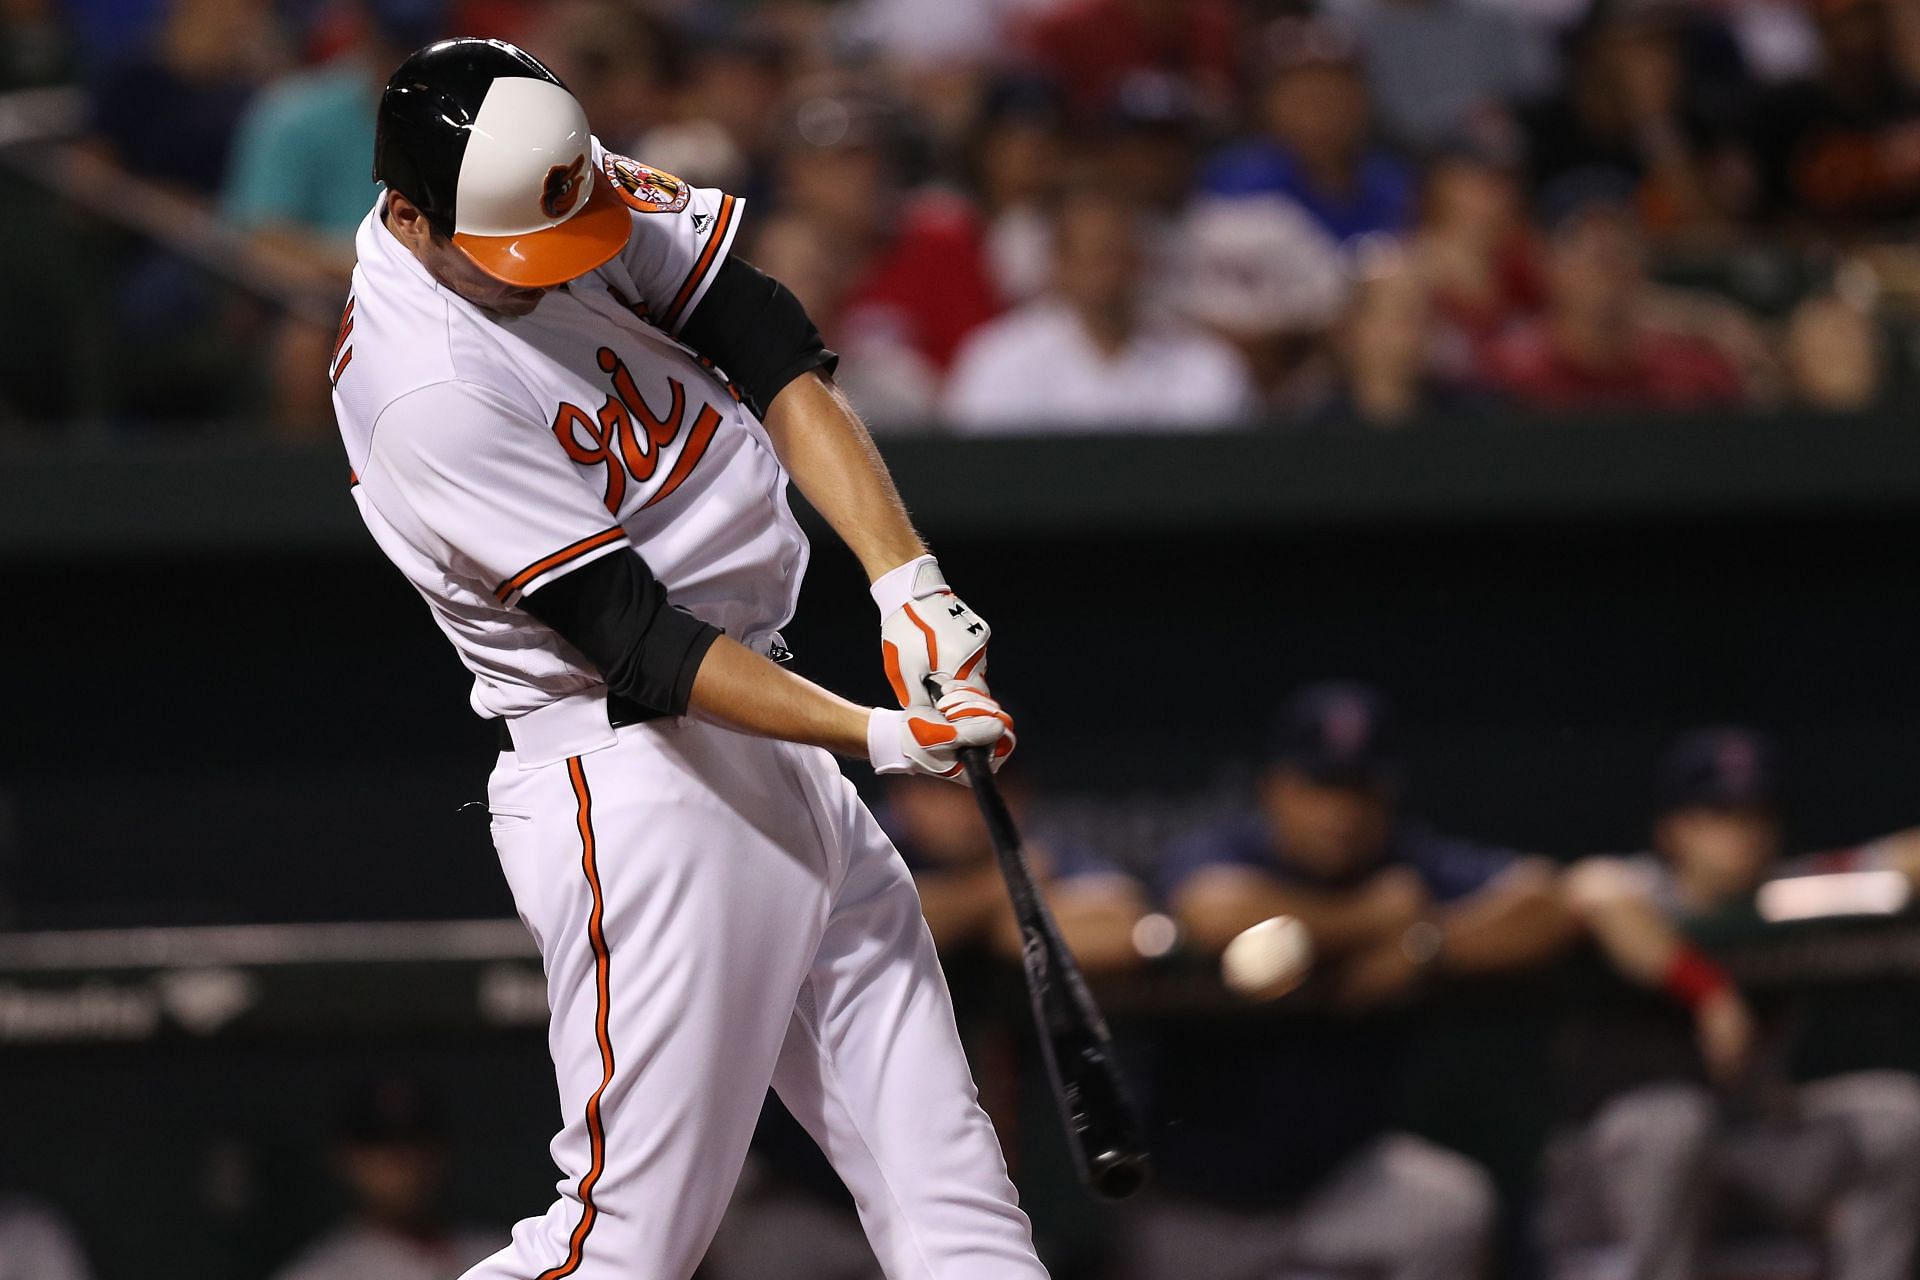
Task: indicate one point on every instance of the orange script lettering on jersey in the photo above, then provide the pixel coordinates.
(626, 437)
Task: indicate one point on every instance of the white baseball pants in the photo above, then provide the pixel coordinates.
(715, 913)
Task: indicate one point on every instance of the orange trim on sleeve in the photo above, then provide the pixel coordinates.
(721, 222)
(603, 975)
(554, 561)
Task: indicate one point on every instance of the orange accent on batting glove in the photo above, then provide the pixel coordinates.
(965, 704)
(932, 633)
(925, 742)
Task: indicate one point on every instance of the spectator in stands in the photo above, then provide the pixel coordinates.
(617, 59)
(1259, 273)
(1315, 147)
(1436, 68)
(391, 1155)
(1680, 1138)
(1631, 105)
(1834, 358)
(1092, 355)
(1014, 155)
(1837, 150)
(301, 176)
(1604, 341)
(1476, 251)
(301, 183)
(163, 121)
(37, 1244)
(1091, 46)
(1149, 143)
(921, 37)
(1386, 350)
(36, 47)
(1278, 1146)
(725, 130)
(915, 264)
(169, 113)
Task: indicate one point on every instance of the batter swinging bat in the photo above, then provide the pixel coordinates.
(1102, 1126)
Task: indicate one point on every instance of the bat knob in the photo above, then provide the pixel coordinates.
(1115, 1175)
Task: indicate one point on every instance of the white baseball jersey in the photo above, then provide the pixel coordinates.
(715, 912)
(490, 455)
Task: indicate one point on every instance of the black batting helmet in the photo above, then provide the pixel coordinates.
(498, 155)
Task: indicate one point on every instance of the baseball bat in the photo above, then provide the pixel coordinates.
(1102, 1125)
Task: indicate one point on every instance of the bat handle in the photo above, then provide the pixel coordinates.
(977, 764)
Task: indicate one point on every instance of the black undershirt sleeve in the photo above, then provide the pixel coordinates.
(752, 326)
(616, 613)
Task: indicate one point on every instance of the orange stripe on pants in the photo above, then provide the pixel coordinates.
(603, 964)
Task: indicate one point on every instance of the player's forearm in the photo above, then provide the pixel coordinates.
(831, 457)
(1639, 942)
(741, 690)
(1096, 923)
(1515, 923)
(1214, 914)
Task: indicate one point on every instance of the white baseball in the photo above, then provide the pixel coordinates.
(1269, 959)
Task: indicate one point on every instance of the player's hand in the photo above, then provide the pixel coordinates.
(919, 740)
(928, 633)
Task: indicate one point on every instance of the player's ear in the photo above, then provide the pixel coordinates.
(408, 220)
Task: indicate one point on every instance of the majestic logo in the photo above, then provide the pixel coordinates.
(644, 188)
(626, 438)
(701, 221)
(561, 191)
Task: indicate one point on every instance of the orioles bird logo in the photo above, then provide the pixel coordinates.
(561, 190)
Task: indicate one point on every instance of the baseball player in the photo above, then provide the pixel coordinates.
(571, 415)
(1692, 1120)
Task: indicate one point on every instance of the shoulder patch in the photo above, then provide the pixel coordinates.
(644, 188)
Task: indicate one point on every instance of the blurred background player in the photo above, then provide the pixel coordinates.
(391, 1160)
(1281, 1147)
(1698, 1130)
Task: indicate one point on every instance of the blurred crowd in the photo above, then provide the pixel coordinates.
(1014, 215)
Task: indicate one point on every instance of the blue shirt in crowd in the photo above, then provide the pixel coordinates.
(305, 154)
(1382, 199)
(1450, 868)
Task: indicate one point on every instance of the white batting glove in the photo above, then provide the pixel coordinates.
(929, 742)
(926, 632)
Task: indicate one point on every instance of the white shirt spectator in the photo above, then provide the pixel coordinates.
(1256, 265)
(1038, 370)
(936, 32)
